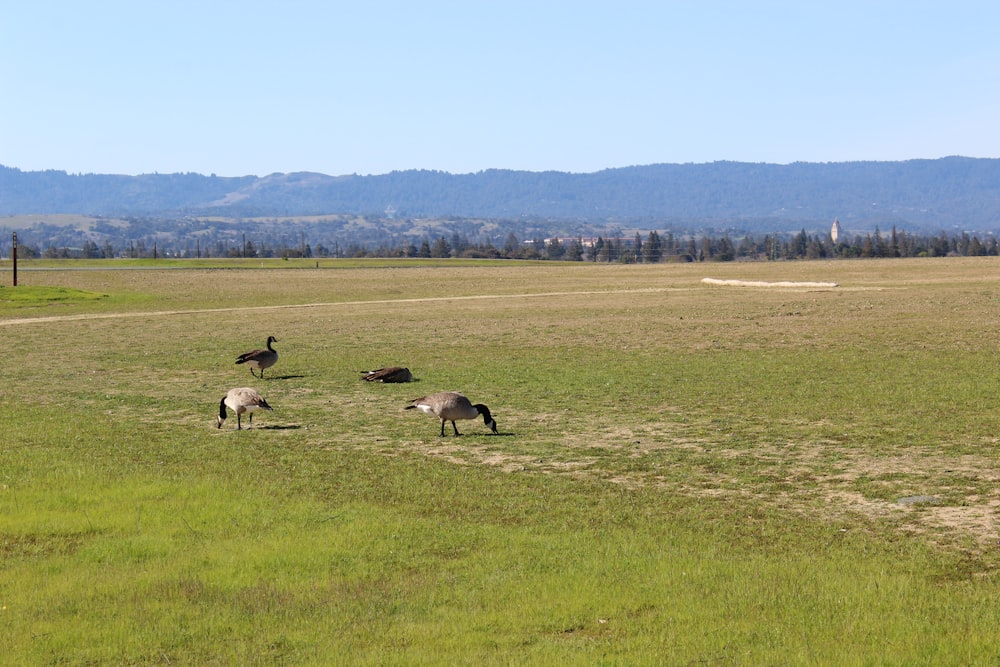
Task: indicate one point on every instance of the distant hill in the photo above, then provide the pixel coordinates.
(953, 193)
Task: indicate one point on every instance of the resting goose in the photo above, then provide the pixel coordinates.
(240, 400)
(388, 374)
(449, 406)
(260, 358)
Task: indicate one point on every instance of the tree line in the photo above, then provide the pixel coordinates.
(652, 247)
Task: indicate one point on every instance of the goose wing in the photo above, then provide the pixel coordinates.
(388, 374)
(246, 397)
(249, 356)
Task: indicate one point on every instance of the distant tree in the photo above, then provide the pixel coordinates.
(705, 252)
(894, 243)
(531, 250)
(942, 245)
(726, 250)
(56, 253)
(672, 245)
(607, 252)
(879, 248)
(598, 250)
(25, 251)
(554, 249)
(538, 247)
(692, 249)
(624, 252)
(425, 250)
(799, 245)
(975, 247)
(867, 247)
(441, 248)
(652, 250)
(90, 250)
(815, 249)
(747, 247)
(458, 244)
(511, 247)
(482, 251)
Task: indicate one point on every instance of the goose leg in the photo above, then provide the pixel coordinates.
(453, 426)
(442, 428)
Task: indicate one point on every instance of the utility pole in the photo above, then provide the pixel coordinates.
(13, 255)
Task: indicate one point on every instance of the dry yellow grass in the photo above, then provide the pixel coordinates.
(646, 320)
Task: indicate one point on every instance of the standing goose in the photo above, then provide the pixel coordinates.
(449, 406)
(388, 374)
(240, 400)
(260, 358)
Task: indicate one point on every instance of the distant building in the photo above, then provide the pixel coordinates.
(586, 241)
(835, 230)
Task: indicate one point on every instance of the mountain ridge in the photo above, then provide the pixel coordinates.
(922, 194)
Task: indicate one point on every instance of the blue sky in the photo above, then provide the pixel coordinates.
(238, 88)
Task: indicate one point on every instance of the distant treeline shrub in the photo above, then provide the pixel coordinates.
(651, 247)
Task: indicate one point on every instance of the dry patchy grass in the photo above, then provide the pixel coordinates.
(592, 371)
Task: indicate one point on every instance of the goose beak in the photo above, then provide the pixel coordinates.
(493, 425)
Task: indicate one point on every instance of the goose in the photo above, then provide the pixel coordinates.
(388, 374)
(449, 406)
(240, 400)
(260, 358)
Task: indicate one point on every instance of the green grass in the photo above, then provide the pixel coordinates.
(685, 474)
(21, 297)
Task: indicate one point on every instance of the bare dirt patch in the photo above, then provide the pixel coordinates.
(962, 503)
(765, 283)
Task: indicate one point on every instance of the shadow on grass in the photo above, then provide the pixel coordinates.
(382, 383)
(269, 427)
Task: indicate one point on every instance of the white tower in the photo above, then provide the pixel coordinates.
(835, 230)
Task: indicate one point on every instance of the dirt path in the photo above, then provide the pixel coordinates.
(476, 297)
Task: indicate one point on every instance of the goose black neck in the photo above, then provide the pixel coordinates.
(485, 412)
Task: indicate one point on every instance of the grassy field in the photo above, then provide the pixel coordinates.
(684, 473)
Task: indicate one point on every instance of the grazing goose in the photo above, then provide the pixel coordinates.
(240, 400)
(449, 406)
(260, 358)
(388, 374)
